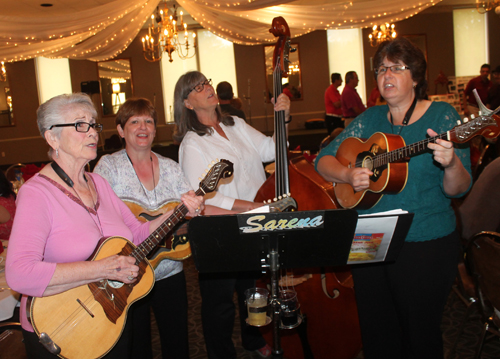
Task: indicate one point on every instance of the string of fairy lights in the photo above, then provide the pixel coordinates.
(109, 37)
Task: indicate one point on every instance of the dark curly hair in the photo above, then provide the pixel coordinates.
(402, 49)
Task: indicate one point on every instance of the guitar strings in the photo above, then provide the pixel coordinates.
(384, 158)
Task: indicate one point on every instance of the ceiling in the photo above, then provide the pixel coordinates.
(33, 8)
(101, 29)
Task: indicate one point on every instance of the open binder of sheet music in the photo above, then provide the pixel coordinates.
(373, 235)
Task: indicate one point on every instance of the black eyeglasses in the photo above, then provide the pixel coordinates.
(81, 126)
(395, 69)
(201, 86)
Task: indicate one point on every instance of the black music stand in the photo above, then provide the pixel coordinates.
(250, 242)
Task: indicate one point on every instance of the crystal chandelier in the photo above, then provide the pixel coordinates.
(484, 6)
(167, 33)
(383, 33)
(3, 72)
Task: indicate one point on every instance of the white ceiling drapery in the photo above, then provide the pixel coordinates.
(104, 31)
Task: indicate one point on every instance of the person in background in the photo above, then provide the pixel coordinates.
(375, 98)
(7, 206)
(207, 134)
(333, 105)
(140, 176)
(226, 95)
(400, 304)
(62, 214)
(352, 105)
(237, 103)
(482, 84)
(287, 91)
(493, 100)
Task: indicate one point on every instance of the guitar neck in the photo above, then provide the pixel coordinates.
(180, 212)
(487, 126)
(402, 153)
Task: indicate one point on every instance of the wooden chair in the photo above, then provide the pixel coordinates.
(483, 255)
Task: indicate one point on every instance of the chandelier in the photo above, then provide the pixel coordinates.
(484, 6)
(383, 33)
(167, 33)
(3, 72)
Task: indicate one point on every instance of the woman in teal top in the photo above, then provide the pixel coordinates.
(400, 304)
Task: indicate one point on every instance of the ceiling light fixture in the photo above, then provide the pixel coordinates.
(383, 33)
(165, 35)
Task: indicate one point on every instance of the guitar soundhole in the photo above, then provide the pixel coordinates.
(115, 284)
(367, 163)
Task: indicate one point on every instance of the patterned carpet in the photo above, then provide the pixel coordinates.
(454, 313)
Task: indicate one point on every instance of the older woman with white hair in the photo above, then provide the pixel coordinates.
(63, 212)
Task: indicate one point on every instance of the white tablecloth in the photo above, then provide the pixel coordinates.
(8, 298)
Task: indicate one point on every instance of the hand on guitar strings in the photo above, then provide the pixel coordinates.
(359, 178)
(442, 150)
(195, 204)
(120, 268)
(283, 104)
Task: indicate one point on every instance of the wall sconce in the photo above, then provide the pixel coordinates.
(383, 33)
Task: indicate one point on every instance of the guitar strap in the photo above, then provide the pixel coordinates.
(62, 175)
(407, 116)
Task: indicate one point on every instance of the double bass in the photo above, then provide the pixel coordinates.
(326, 295)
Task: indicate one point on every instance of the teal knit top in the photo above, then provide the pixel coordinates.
(423, 194)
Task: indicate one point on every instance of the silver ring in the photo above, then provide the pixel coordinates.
(130, 277)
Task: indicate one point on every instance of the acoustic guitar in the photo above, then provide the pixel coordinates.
(387, 157)
(86, 322)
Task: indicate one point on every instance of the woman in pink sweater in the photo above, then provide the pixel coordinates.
(63, 212)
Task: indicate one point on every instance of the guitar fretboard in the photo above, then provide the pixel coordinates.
(405, 152)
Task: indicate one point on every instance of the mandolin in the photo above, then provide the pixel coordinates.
(86, 322)
(387, 157)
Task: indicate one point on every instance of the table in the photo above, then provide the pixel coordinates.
(8, 298)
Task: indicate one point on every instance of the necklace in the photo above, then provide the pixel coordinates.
(63, 175)
(407, 116)
(142, 186)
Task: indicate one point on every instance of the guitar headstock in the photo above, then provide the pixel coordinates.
(219, 170)
(486, 126)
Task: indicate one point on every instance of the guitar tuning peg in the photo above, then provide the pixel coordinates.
(275, 199)
(472, 116)
(289, 194)
(199, 178)
(285, 195)
(280, 197)
(459, 123)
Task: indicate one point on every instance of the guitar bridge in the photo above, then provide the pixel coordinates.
(49, 344)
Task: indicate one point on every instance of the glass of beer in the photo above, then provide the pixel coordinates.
(257, 305)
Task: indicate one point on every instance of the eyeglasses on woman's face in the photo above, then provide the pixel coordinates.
(199, 87)
(81, 126)
(395, 69)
